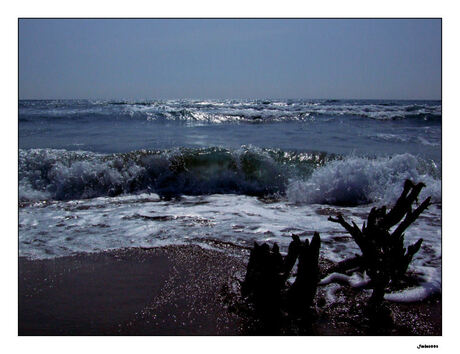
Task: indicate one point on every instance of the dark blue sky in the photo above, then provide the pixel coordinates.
(309, 58)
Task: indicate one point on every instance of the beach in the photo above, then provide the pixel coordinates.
(230, 177)
(159, 291)
(179, 290)
(137, 217)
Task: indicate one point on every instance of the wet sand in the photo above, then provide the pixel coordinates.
(176, 290)
(158, 291)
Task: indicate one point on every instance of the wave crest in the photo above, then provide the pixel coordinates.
(358, 180)
(65, 175)
(229, 111)
(310, 178)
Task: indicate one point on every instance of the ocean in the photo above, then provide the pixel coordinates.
(102, 174)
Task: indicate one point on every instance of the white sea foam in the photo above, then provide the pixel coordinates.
(63, 228)
(128, 187)
(415, 294)
(232, 110)
(359, 180)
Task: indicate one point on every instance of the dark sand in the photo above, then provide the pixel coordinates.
(175, 290)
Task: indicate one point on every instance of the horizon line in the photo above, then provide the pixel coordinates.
(230, 98)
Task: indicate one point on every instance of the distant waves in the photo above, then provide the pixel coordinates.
(230, 111)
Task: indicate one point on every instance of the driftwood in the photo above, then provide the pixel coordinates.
(384, 257)
(265, 285)
(302, 292)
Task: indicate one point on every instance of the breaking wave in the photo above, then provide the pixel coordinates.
(359, 180)
(310, 178)
(65, 175)
(224, 111)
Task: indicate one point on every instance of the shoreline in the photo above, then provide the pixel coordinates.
(177, 290)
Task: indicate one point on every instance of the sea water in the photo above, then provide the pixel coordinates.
(97, 175)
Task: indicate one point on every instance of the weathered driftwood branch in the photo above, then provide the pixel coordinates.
(383, 254)
(302, 292)
(265, 284)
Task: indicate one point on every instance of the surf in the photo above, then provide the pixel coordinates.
(299, 177)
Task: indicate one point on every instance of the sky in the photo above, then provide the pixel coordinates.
(229, 58)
